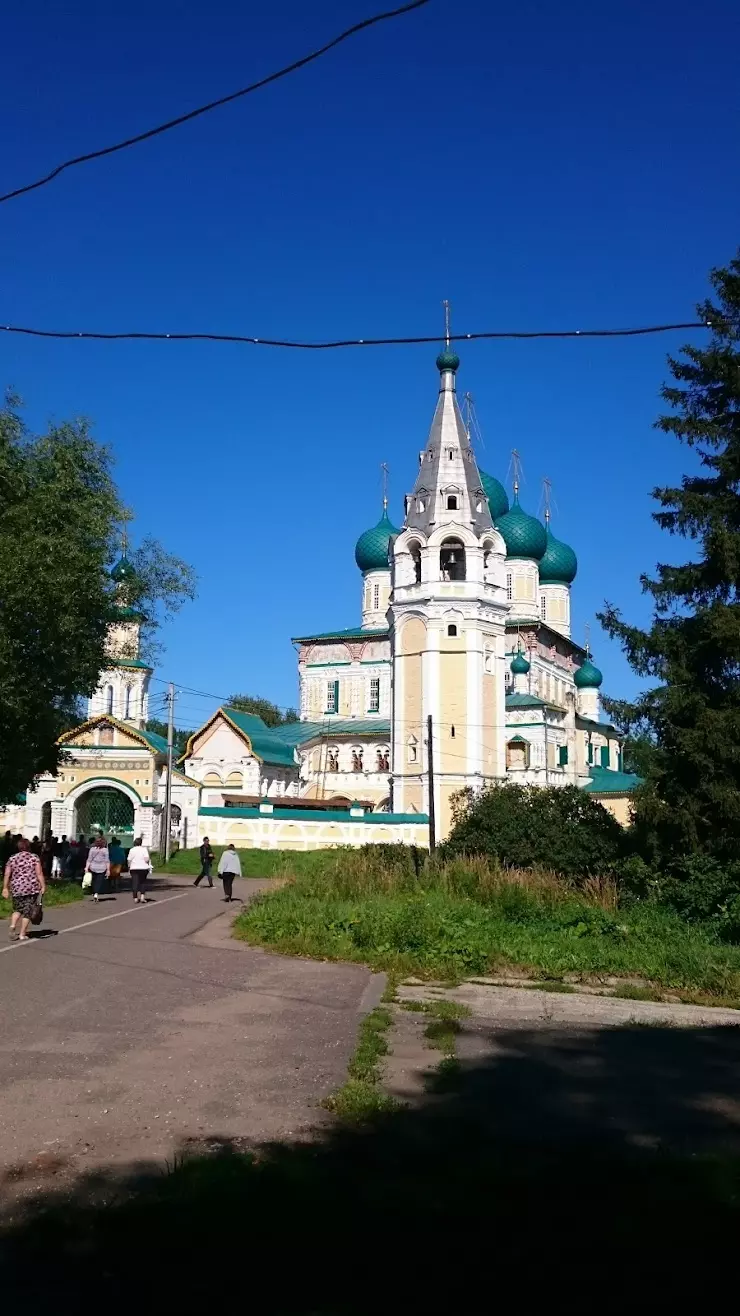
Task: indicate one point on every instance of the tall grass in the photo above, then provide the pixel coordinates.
(470, 917)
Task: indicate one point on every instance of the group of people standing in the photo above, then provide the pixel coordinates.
(105, 863)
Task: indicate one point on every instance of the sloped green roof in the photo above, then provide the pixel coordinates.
(524, 701)
(158, 743)
(131, 662)
(275, 745)
(605, 781)
(353, 633)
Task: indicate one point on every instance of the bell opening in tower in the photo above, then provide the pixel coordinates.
(452, 560)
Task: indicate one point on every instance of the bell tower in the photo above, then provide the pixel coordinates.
(447, 612)
(123, 687)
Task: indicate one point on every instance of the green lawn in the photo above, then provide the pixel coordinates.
(255, 863)
(434, 933)
(63, 893)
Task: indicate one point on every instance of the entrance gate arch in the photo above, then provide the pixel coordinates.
(105, 809)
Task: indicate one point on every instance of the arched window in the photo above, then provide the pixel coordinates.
(412, 749)
(415, 551)
(357, 759)
(109, 699)
(543, 607)
(452, 560)
(452, 629)
(127, 702)
(376, 596)
(452, 502)
(509, 588)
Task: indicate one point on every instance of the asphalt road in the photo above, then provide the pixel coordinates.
(129, 1032)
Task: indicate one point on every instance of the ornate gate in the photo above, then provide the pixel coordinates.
(107, 810)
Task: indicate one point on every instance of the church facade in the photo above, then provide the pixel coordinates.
(462, 671)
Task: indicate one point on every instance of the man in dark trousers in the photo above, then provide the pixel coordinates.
(206, 859)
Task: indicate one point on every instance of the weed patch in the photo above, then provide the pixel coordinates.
(361, 1097)
(62, 893)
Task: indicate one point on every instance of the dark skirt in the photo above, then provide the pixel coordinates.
(25, 905)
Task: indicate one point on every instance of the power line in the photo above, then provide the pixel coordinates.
(640, 331)
(214, 105)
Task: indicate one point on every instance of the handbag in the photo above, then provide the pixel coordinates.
(87, 881)
(37, 916)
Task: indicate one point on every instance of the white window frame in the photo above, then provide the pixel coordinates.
(373, 698)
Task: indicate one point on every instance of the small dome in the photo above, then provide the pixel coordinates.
(524, 535)
(496, 495)
(371, 549)
(123, 570)
(587, 676)
(519, 664)
(559, 565)
(447, 360)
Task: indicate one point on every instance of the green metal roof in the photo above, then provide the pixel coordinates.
(605, 781)
(315, 815)
(371, 550)
(158, 743)
(498, 502)
(514, 623)
(131, 662)
(353, 633)
(275, 745)
(524, 701)
(588, 676)
(559, 564)
(589, 724)
(524, 535)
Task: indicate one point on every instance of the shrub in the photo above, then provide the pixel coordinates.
(699, 887)
(558, 828)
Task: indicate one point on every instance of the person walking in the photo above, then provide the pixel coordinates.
(23, 881)
(139, 866)
(229, 868)
(206, 859)
(98, 863)
(117, 857)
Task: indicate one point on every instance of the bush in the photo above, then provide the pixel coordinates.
(699, 888)
(559, 828)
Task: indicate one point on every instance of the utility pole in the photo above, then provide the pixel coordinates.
(168, 788)
(432, 816)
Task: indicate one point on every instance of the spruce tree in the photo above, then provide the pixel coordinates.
(690, 711)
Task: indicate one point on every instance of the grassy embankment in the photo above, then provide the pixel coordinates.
(61, 893)
(255, 863)
(469, 918)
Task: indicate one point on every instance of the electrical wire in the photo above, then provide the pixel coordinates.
(332, 344)
(214, 105)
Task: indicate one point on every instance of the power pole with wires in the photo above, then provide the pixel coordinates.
(432, 815)
(168, 786)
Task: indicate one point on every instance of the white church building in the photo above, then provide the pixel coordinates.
(463, 661)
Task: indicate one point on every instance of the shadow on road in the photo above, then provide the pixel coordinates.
(587, 1171)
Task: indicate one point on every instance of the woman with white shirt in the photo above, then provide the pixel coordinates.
(139, 866)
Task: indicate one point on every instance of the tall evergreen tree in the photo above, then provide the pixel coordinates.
(691, 653)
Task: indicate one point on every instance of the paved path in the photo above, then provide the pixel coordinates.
(135, 1030)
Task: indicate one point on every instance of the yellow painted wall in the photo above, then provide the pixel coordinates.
(411, 643)
(618, 805)
(140, 779)
(489, 732)
(452, 752)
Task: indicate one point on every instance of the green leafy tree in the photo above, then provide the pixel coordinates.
(271, 714)
(59, 519)
(689, 714)
(554, 827)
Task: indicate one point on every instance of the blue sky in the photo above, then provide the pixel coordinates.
(539, 165)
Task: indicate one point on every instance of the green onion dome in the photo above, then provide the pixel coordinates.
(447, 360)
(524, 535)
(559, 565)
(496, 495)
(519, 664)
(122, 571)
(371, 549)
(587, 676)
